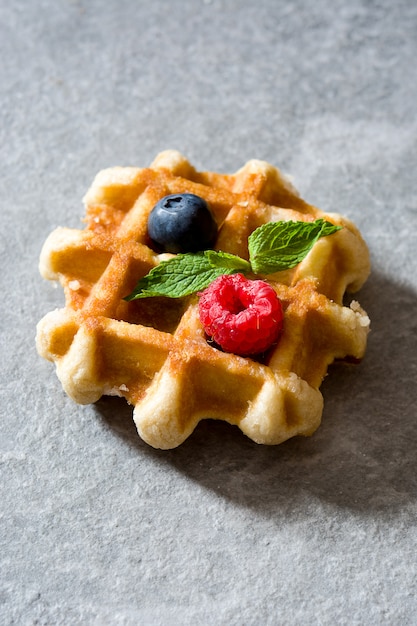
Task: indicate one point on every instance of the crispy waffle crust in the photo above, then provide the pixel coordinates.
(154, 351)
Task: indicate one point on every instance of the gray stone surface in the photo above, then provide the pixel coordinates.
(96, 527)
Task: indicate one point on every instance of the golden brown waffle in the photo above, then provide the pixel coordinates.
(154, 351)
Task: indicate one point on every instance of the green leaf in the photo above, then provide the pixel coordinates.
(185, 274)
(278, 246)
(228, 261)
(273, 247)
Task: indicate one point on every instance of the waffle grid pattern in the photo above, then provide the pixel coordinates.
(154, 352)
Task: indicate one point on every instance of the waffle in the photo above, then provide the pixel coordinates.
(154, 351)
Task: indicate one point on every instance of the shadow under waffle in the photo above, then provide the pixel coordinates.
(363, 457)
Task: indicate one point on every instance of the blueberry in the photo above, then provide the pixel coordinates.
(182, 223)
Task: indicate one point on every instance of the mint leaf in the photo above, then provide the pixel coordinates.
(185, 274)
(273, 247)
(278, 246)
(227, 261)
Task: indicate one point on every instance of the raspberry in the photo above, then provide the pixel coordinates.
(241, 315)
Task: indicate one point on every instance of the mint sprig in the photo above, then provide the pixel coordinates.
(278, 246)
(273, 247)
(185, 274)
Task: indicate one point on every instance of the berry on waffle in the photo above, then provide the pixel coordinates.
(154, 351)
(242, 316)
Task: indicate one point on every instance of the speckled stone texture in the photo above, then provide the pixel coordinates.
(96, 527)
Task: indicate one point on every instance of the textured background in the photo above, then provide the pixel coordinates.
(96, 527)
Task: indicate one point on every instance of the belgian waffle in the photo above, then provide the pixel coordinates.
(154, 352)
